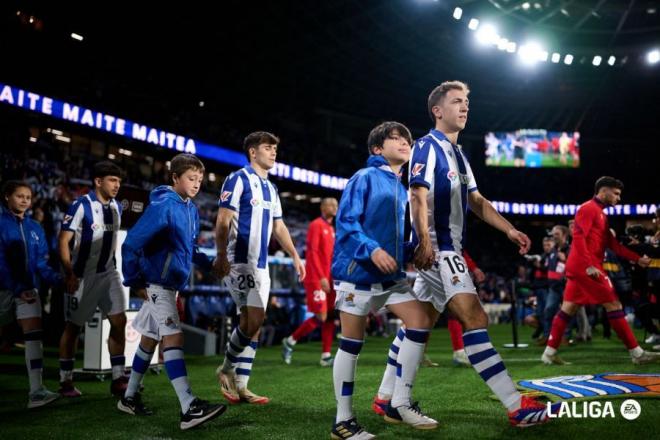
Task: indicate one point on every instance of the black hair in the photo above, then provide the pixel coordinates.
(107, 168)
(607, 182)
(383, 131)
(11, 186)
(184, 162)
(253, 140)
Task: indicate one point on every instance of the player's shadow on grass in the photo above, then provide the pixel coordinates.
(13, 369)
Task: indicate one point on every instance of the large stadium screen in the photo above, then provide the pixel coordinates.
(533, 148)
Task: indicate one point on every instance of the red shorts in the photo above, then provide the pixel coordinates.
(586, 290)
(318, 301)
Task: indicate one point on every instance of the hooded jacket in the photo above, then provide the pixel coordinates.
(23, 255)
(371, 215)
(161, 247)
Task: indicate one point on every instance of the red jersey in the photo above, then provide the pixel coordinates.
(590, 239)
(320, 244)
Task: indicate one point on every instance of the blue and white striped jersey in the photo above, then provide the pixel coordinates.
(256, 204)
(443, 168)
(95, 228)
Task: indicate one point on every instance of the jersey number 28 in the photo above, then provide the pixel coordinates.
(246, 279)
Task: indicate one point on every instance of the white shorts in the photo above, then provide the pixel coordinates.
(11, 306)
(248, 286)
(158, 315)
(448, 276)
(360, 302)
(102, 290)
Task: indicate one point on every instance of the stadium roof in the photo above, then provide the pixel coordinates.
(363, 61)
(376, 59)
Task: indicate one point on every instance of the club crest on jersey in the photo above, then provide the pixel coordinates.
(349, 300)
(225, 195)
(417, 169)
(452, 176)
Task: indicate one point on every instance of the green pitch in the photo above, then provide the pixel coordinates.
(302, 401)
(547, 161)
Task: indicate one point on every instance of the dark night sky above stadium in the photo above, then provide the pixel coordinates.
(258, 63)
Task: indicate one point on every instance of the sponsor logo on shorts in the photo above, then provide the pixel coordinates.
(68, 218)
(171, 323)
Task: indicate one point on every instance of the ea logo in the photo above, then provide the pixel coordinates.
(630, 409)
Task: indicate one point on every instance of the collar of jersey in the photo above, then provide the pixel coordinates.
(251, 170)
(441, 136)
(92, 196)
(601, 204)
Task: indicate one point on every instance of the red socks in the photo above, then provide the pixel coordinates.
(456, 333)
(618, 322)
(559, 324)
(305, 328)
(327, 335)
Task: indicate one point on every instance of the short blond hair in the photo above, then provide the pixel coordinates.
(441, 91)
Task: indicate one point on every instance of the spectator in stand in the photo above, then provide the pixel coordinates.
(540, 284)
(644, 281)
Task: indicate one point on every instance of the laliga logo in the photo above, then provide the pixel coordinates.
(630, 410)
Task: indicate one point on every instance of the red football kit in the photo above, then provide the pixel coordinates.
(591, 237)
(320, 244)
